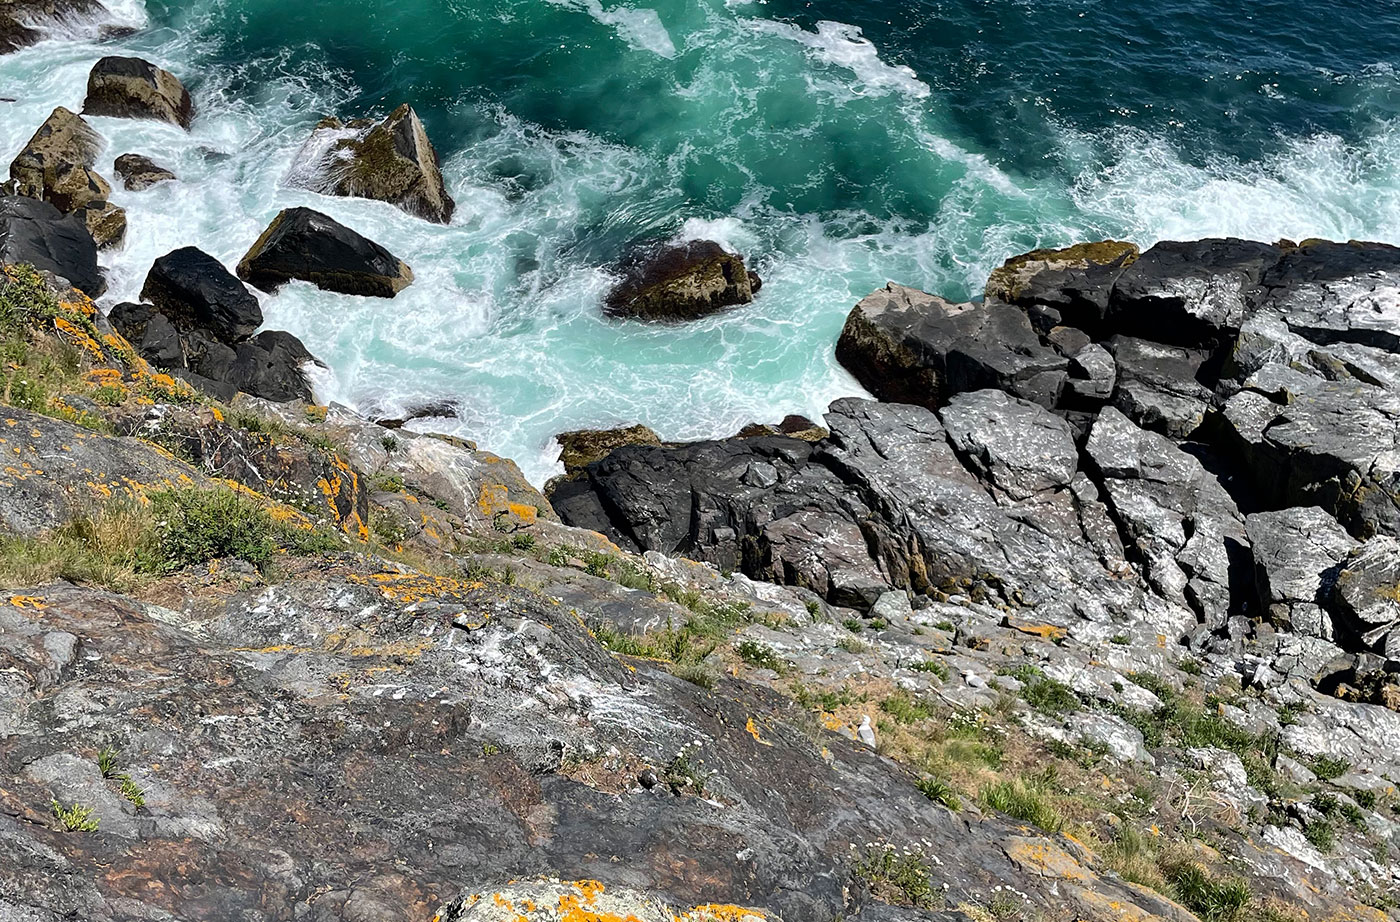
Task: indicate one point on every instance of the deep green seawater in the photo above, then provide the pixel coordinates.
(837, 143)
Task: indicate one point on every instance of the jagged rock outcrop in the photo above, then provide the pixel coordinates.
(313, 247)
(21, 21)
(35, 233)
(1076, 282)
(135, 88)
(677, 282)
(907, 346)
(1297, 552)
(391, 161)
(139, 172)
(56, 166)
(581, 447)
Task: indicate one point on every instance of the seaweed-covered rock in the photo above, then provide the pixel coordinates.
(581, 447)
(391, 161)
(313, 247)
(135, 88)
(56, 166)
(1076, 281)
(681, 282)
(35, 233)
(139, 172)
(195, 291)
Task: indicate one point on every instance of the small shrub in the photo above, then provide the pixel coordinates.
(1322, 834)
(1023, 801)
(946, 626)
(1329, 767)
(878, 624)
(685, 775)
(1050, 697)
(387, 483)
(1119, 639)
(899, 877)
(854, 625)
(196, 526)
(130, 791)
(904, 709)
(75, 818)
(522, 541)
(761, 656)
(933, 666)
(1214, 899)
(814, 607)
(388, 526)
(390, 443)
(696, 674)
(939, 792)
(1191, 666)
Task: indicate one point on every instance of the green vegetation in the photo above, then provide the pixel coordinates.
(75, 818)
(685, 775)
(900, 877)
(854, 625)
(824, 699)
(710, 622)
(108, 765)
(933, 666)
(1330, 767)
(761, 656)
(388, 526)
(1213, 898)
(940, 792)
(1027, 800)
(387, 483)
(904, 709)
(1050, 697)
(125, 543)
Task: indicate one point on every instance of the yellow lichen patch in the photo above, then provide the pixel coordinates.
(28, 601)
(524, 513)
(1051, 632)
(721, 912)
(1046, 859)
(752, 728)
(408, 588)
(79, 337)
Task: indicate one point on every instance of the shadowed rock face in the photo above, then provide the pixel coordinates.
(390, 161)
(195, 291)
(313, 247)
(37, 234)
(134, 88)
(684, 282)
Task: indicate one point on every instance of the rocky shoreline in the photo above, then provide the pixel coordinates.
(1091, 613)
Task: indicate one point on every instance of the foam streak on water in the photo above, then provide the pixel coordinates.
(837, 152)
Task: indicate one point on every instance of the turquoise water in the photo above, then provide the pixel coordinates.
(838, 145)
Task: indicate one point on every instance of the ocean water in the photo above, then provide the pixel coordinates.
(838, 144)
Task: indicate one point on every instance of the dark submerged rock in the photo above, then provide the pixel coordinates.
(139, 172)
(313, 247)
(681, 282)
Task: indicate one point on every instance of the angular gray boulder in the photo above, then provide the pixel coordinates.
(313, 247)
(1296, 556)
(390, 161)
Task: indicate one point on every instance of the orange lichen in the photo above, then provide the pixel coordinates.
(28, 601)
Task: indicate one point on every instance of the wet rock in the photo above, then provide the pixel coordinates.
(134, 88)
(56, 166)
(152, 334)
(681, 282)
(1190, 293)
(313, 247)
(907, 346)
(138, 172)
(1296, 552)
(1016, 446)
(196, 292)
(36, 233)
(797, 427)
(22, 21)
(390, 161)
(1076, 281)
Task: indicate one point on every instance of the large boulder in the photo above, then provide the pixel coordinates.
(35, 233)
(134, 88)
(22, 21)
(681, 282)
(581, 447)
(196, 292)
(391, 161)
(138, 172)
(908, 346)
(56, 166)
(313, 247)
